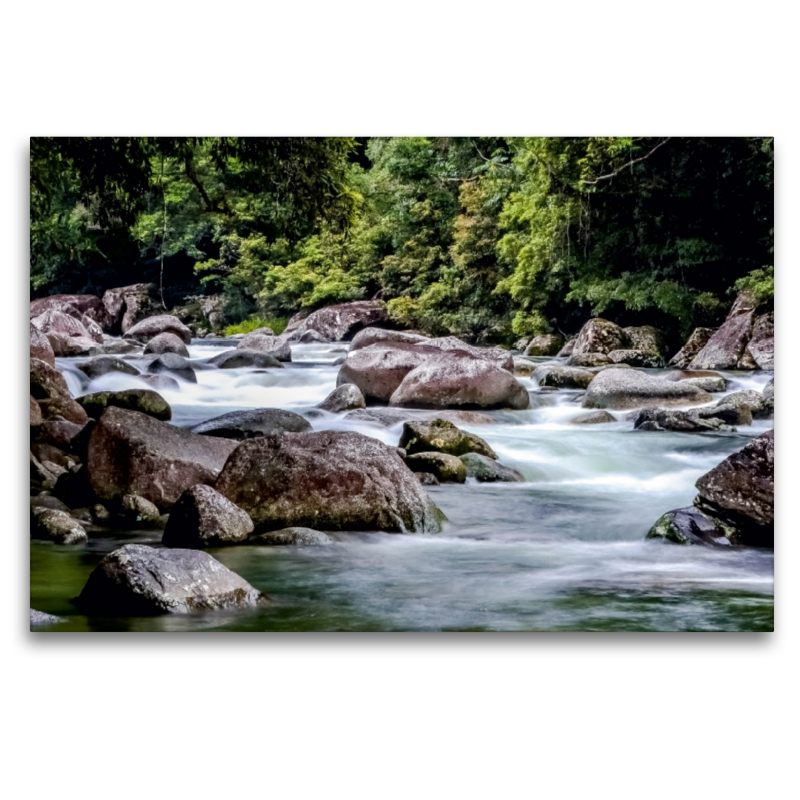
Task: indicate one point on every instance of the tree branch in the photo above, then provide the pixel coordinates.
(625, 166)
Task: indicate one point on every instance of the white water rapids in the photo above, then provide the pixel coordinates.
(563, 551)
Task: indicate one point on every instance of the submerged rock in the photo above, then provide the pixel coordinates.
(102, 365)
(618, 388)
(144, 400)
(443, 437)
(133, 453)
(300, 537)
(173, 364)
(487, 470)
(203, 517)
(593, 418)
(446, 468)
(253, 422)
(141, 581)
(235, 359)
(331, 480)
(151, 327)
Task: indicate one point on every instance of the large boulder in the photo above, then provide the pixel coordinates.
(342, 322)
(442, 436)
(132, 453)
(645, 338)
(331, 480)
(128, 305)
(378, 370)
(549, 344)
(276, 346)
(762, 341)
(174, 365)
(694, 344)
(726, 348)
(346, 397)
(166, 342)
(629, 388)
(369, 336)
(487, 470)
(600, 336)
(41, 347)
(144, 400)
(252, 423)
(137, 580)
(741, 491)
(54, 321)
(460, 380)
(236, 359)
(77, 305)
(563, 377)
(102, 365)
(202, 517)
(50, 390)
(150, 327)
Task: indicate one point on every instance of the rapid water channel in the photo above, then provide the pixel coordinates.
(564, 551)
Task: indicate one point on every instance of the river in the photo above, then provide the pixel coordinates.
(564, 551)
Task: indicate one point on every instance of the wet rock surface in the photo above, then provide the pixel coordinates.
(145, 401)
(487, 470)
(444, 437)
(299, 537)
(252, 423)
(619, 389)
(202, 517)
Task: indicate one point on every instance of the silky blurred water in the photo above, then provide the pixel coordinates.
(563, 551)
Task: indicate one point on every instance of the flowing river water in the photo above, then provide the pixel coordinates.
(564, 551)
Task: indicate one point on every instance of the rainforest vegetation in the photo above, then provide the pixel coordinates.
(488, 239)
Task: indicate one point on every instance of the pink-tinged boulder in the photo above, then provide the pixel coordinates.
(77, 305)
(378, 370)
(202, 517)
(128, 305)
(50, 390)
(41, 347)
(331, 480)
(151, 327)
(133, 453)
(57, 322)
(369, 336)
(455, 380)
(599, 335)
(166, 343)
(275, 346)
(449, 344)
(342, 322)
(762, 342)
(726, 348)
(694, 344)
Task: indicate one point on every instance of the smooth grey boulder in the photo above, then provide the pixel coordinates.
(236, 359)
(102, 365)
(329, 480)
(132, 453)
(253, 422)
(166, 342)
(276, 346)
(301, 537)
(144, 400)
(628, 388)
(460, 380)
(56, 526)
(487, 470)
(137, 580)
(39, 619)
(562, 377)
(202, 517)
(446, 468)
(151, 327)
(346, 397)
(442, 436)
(174, 365)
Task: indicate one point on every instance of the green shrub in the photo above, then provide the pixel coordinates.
(278, 325)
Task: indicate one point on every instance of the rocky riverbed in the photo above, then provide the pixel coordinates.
(526, 507)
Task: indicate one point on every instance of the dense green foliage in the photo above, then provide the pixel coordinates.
(484, 238)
